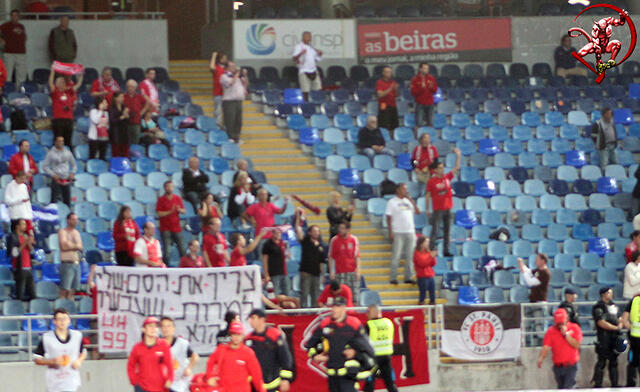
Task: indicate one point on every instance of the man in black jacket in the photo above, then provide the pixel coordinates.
(606, 139)
(370, 139)
(194, 182)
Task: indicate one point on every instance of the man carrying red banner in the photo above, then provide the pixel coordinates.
(150, 366)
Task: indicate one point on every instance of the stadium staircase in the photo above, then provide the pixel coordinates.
(286, 166)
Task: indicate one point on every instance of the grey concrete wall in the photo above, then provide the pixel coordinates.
(111, 376)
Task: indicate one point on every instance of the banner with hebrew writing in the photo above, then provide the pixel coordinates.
(196, 298)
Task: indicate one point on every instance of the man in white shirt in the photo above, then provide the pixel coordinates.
(402, 232)
(146, 250)
(631, 286)
(184, 358)
(235, 83)
(16, 197)
(306, 57)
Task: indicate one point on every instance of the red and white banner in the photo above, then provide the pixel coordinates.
(410, 359)
(435, 41)
(67, 68)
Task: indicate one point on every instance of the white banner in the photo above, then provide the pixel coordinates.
(196, 298)
(276, 38)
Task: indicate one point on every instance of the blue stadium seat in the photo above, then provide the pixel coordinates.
(566, 217)
(599, 246)
(569, 131)
(608, 230)
(561, 146)
(105, 241)
(343, 121)
(485, 188)
(582, 232)
(322, 150)
(607, 277)
(522, 248)
(359, 162)
(541, 217)
(348, 177)
(614, 215)
(528, 160)
(534, 187)
(96, 166)
(158, 152)
(120, 194)
(565, 261)
(332, 136)
(120, 166)
(504, 279)
(494, 295)
(170, 165)
(373, 177)
(509, 188)
(519, 294)
(461, 189)
(481, 233)
(623, 116)
(95, 195)
(466, 218)
(336, 163)
(548, 247)
(599, 201)
(581, 277)
(607, 185)
(383, 162)
(575, 202)
(578, 118)
(488, 146)
(591, 217)
(551, 159)
(615, 171)
(614, 260)
(501, 203)
(497, 249)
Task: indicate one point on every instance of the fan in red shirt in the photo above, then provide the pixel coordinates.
(423, 86)
(217, 66)
(423, 156)
(387, 91)
(125, 234)
(344, 259)
(14, 37)
(214, 244)
(193, 258)
(137, 105)
(149, 90)
(150, 366)
(563, 339)
(234, 367)
(332, 291)
(240, 248)
(105, 85)
(22, 161)
(63, 100)
(262, 213)
(439, 190)
(169, 207)
(3, 79)
(632, 246)
(424, 260)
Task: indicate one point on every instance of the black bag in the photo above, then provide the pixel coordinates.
(18, 120)
(387, 187)
(311, 75)
(500, 234)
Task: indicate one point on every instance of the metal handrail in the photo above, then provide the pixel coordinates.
(84, 15)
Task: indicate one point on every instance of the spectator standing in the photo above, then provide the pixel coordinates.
(194, 182)
(60, 165)
(312, 262)
(22, 244)
(151, 134)
(62, 42)
(16, 197)
(439, 192)
(217, 66)
(262, 214)
(423, 86)
(538, 279)
(23, 162)
(14, 38)
(606, 316)
(169, 207)
(125, 234)
(635, 206)
(184, 358)
(424, 260)
(208, 208)
(63, 352)
(306, 58)
(570, 297)
(70, 244)
(223, 335)
(631, 321)
(234, 84)
(370, 139)
(150, 366)
(241, 249)
(380, 331)
(241, 196)
(214, 245)
(105, 85)
(146, 250)
(193, 258)
(400, 213)
(334, 290)
(137, 105)
(423, 157)
(99, 129)
(63, 100)
(564, 60)
(3, 80)
(387, 91)
(337, 214)
(606, 139)
(274, 262)
(344, 259)
(632, 246)
(119, 126)
(632, 277)
(563, 339)
(150, 91)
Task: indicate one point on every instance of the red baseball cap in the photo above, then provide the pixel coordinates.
(560, 316)
(150, 320)
(236, 328)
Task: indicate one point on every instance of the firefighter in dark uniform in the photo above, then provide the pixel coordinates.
(340, 342)
(606, 316)
(272, 351)
(380, 330)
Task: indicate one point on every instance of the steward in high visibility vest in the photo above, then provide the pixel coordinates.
(381, 331)
(631, 320)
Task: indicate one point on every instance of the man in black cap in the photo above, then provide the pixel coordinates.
(272, 351)
(606, 316)
(570, 297)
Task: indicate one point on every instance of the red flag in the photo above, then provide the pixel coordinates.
(307, 205)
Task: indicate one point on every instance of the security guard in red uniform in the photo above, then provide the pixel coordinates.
(272, 351)
(340, 342)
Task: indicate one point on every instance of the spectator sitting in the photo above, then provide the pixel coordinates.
(105, 85)
(387, 91)
(169, 207)
(424, 260)
(344, 259)
(274, 262)
(261, 214)
(243, 166)
(194, 182)
(370, 139)
(70, 244)
(606, 139)
(14, 39)
(423, 156)
(333, 290)
(241, 249)
(125, 235)
(337, 214)
(147, 251)
(60, 165)
(16, 197)
(22, 246)
(23, 162)
(538, 279)
(151, 134)
(63, 100)
(423, 86)
(632, 246)
(137, 106)
(565, 62)
(209, 208)
(150, 91)
(62, 42)
(240, 196)
(214, 244)
(99, 129)
(631, 286)
(119, 126)
(193, 258)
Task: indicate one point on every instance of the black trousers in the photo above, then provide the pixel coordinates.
(437, 217)
(232, 116)
(565, 376)
(634, 361)
(341, 384)
(24, 284)
(63, 127)
(604, 355)
(98, 149)
(124, 259)
(61, 191)
(384, 371)
(388, 118)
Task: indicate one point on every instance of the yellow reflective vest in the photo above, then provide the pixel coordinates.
(381, 336)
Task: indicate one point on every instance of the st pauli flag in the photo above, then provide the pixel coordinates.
(482, 333)
(67, 68)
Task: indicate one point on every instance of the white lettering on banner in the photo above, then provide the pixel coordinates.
(417, 41)
(196, 298)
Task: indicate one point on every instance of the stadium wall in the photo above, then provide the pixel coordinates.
(111, 375)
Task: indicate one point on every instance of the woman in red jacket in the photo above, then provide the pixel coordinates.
(125, 234)
(424, 260)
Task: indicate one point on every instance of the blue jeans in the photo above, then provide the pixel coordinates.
(608, 155)
(70, 276)
(424, 285)
(281, 285)
(424, 115)
(565, 376)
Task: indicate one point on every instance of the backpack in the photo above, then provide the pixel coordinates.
(18, 120)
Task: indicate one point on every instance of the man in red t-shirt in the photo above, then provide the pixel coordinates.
(423, 86)
(137, 105)
(563, 338)
(169, 207)
(423, 156)
(149, 90)
(63, 101)
(105, 85)
(21, 248)
(387, 91)
(214, 244)
(14, 38)
(439, 190)
(333, 290)
(262, 213)
(217, 66)
(632, 246)
(344, 259)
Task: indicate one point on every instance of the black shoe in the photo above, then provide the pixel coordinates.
(448, 254)
(410, 281)
(393, 281)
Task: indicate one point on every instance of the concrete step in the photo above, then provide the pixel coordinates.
(282, 161)
(263, 152)
(270, 168)
(302, 181)
(304, 189)
(286, 175)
